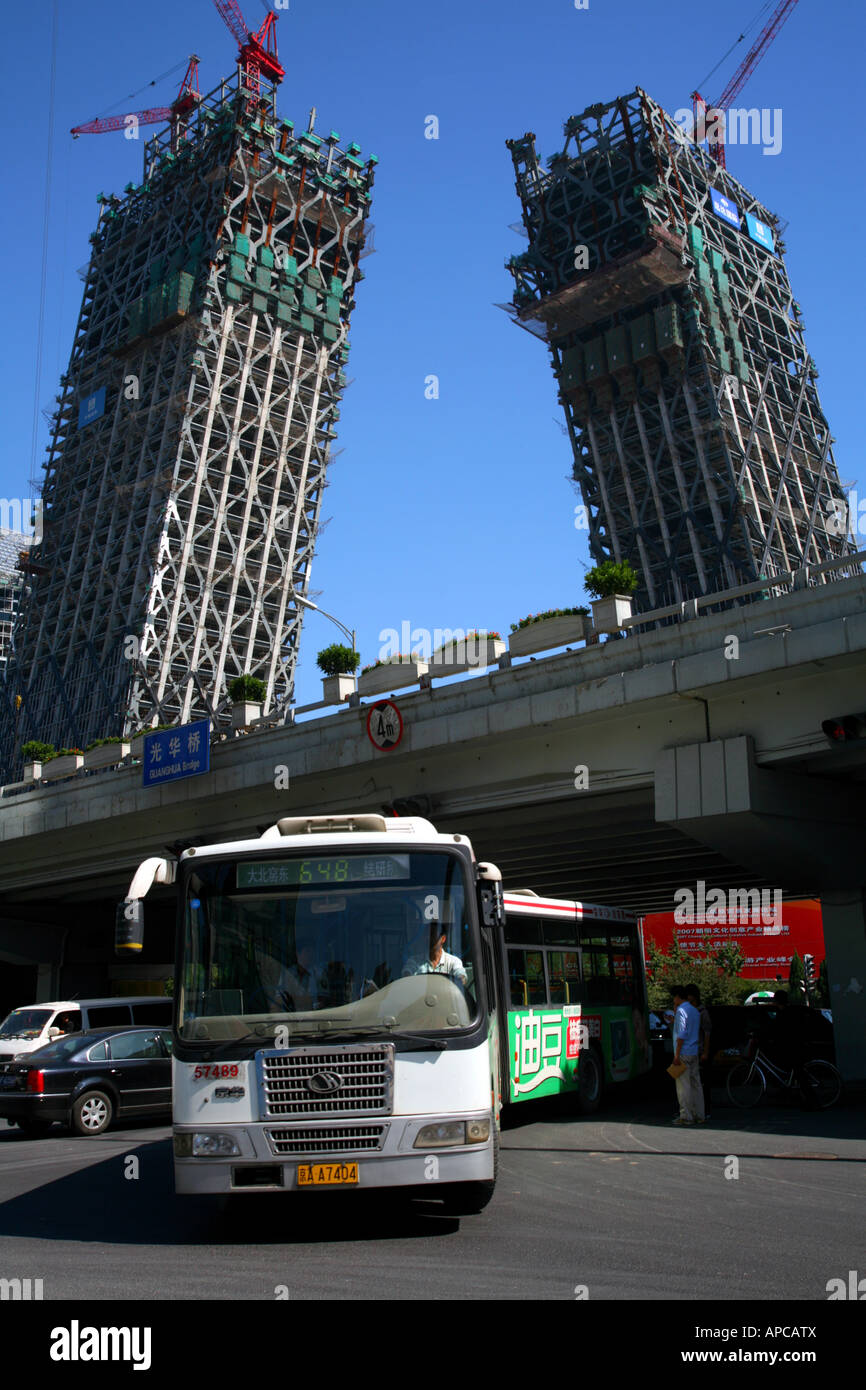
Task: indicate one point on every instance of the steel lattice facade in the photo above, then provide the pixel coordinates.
(700, 448)
(180, 518)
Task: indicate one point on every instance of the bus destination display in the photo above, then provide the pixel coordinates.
(291, 873)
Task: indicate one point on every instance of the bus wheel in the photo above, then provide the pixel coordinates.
(469, 1198)
(590, 1082)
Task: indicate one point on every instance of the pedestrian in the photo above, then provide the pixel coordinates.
(693, 994)
(687, 1026)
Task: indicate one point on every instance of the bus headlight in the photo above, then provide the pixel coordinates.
(205, 1145)
(448, 1133)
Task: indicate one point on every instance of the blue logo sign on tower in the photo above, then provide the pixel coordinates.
(91, 408)
(760, 232)
(724, 208)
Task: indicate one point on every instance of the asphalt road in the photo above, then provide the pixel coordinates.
(620, 1206)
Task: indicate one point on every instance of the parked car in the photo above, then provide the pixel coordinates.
(89, 1079)
(35, 1025)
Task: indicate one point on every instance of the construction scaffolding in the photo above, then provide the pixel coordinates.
(191, 439)
(700, 448)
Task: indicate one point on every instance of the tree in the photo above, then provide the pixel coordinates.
(716, 979)
(729, 958)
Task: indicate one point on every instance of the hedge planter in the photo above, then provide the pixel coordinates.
(336, 690)
(608, 614)
(550, 632)
(244, 712)
(106, 755)
(391, 675)
(65, 766)
(473, 654)
(136, 745)
(33, 772)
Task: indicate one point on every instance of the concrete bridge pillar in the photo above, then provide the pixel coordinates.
(803, 834)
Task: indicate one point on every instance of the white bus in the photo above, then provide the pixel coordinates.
(335, 1009)
(355, 1000)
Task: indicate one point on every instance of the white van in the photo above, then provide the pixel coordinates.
(35, 1025)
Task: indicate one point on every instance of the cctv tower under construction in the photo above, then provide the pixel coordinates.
(191, 438)
(700, 449)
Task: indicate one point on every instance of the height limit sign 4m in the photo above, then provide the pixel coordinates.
(384, 725)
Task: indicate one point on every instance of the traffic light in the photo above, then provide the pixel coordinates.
(809, 969)
(845, 729)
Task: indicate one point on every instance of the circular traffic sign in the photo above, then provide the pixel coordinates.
(384, 725)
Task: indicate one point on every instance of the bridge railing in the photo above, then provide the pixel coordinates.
(790, 581)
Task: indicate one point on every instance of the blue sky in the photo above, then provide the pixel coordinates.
(456, 512)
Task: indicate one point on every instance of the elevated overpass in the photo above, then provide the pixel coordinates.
(615, 772)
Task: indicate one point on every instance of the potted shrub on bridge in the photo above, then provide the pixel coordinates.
(66, 763)
(35, 754)
(338, 665)
(611, 586)
(540, 632)
(473, 652)
(391, 674)
(105, 752)
(247, 694)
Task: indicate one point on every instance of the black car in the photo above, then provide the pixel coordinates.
(88, 1079)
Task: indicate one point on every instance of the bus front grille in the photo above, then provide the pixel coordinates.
(327, 1081)
(346, 1139)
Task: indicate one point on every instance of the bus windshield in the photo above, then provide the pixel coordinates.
(327, 943)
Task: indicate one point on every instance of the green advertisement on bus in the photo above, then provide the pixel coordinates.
(545, 1043)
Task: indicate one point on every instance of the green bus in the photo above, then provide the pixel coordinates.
(574, 987)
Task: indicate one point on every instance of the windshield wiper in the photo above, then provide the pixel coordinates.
(382, 1030)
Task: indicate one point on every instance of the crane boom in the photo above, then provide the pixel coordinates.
(703, 111)
(186, 99)
(756, 52)
(99, 126)
(231, 13)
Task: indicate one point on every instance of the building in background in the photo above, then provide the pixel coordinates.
(190, 444)
(14, 548)
(657, 280)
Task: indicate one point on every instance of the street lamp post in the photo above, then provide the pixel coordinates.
(299, 598)
(291, 710)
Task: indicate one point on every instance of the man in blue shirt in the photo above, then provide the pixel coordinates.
(686, 1033)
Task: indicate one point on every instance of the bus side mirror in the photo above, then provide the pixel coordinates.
(491, 904)
(129, 927)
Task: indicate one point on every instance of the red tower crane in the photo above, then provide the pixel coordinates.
(186, 99)
(703, 113)
(258, 51)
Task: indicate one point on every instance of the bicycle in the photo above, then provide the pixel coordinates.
(748, 1081)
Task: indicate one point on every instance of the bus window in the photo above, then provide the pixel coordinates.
(526, 978)
(600, 987)
(559, 933)
(564, 970)
(526, 930)
(623, 963)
